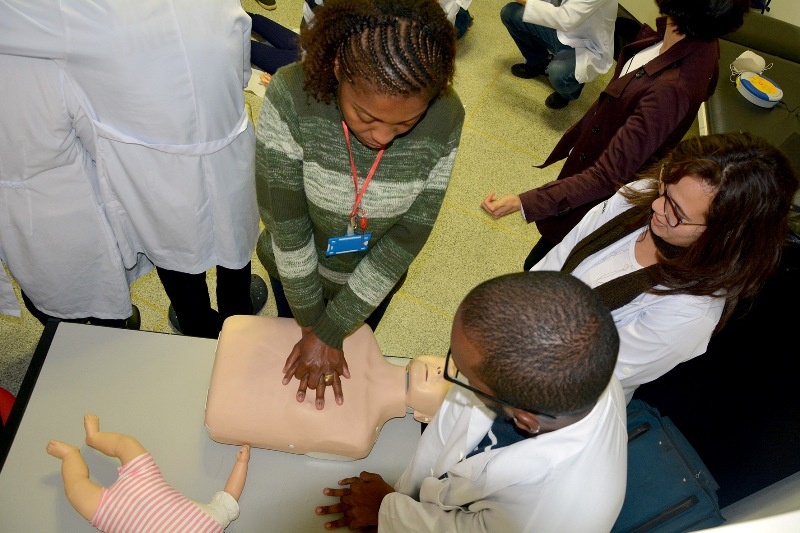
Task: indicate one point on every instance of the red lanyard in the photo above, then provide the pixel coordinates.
(360, 192)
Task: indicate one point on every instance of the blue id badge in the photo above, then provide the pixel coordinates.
(347, 244)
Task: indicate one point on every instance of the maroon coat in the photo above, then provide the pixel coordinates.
(636, 120)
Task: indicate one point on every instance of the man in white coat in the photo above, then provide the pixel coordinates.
(160, 83)
(531, 436)
(54, 236)
(572, 41)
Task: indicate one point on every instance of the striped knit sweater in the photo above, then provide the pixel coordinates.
(305, 194)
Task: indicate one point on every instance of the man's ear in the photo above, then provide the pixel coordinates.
(526, 421)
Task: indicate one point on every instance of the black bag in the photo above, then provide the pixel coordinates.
(669, 488)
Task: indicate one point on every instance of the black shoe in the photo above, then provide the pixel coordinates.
(135, 320)
(526, 71)
(173, 319)
(258, 293)
(556, 101)
(258, 298)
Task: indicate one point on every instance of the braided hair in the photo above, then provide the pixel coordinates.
(399, 47)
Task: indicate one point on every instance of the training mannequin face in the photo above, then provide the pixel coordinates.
(426, 386)
(376, 118)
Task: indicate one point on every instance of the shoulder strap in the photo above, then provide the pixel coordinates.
(618, 291)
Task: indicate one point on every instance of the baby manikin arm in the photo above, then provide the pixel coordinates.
(248, 404)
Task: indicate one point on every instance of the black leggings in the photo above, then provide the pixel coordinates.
(188, 294)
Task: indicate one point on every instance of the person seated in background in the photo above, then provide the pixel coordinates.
(240, 409)
(354, 151)
(531, 436)
(140, 499)
(54, 232)
(645, 110)
(673, 253)
(571, 41)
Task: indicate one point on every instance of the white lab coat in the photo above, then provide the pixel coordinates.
(656, 331)
(161, 84)
(585, 25)
(570, 480)
(54, 236)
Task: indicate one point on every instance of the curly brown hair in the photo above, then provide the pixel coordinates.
(400, 47)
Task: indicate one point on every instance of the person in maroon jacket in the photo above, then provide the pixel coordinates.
(659, 83)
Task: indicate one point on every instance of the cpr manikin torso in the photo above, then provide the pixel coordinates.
(247, 404)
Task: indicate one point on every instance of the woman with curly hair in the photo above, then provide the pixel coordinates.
(674, 253)
(355, 145)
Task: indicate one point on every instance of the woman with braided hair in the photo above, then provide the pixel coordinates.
(355, 145)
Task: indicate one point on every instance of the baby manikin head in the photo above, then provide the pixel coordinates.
(425, 386)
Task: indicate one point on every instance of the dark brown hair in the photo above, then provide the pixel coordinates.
(747, 221)
(399, 47)
(705, 19)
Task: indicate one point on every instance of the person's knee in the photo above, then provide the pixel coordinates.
(559, 72)
(561, 75)
(511, 14)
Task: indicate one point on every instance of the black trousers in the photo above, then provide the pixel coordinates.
(189, 296)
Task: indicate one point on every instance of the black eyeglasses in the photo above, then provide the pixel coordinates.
(670, 209)
(451, 374)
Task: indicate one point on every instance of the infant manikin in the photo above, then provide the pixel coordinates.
(248, 404)
(141, 499)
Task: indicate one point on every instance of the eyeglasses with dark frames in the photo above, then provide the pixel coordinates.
(670, 208)
(451, 374)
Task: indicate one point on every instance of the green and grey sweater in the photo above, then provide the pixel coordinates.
(305, 195)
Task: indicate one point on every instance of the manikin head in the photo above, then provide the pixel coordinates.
(425, 386)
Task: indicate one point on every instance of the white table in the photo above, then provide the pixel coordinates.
(153, 386)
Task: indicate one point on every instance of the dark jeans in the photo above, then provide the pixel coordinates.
(463, 22)
(188, 294)
(536, 44)
(280, 48)
(540, 250)
(44, 317)
(285, 310)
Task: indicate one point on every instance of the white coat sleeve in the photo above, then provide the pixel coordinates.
(32, 29)
(670, 331)
(565, 17)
